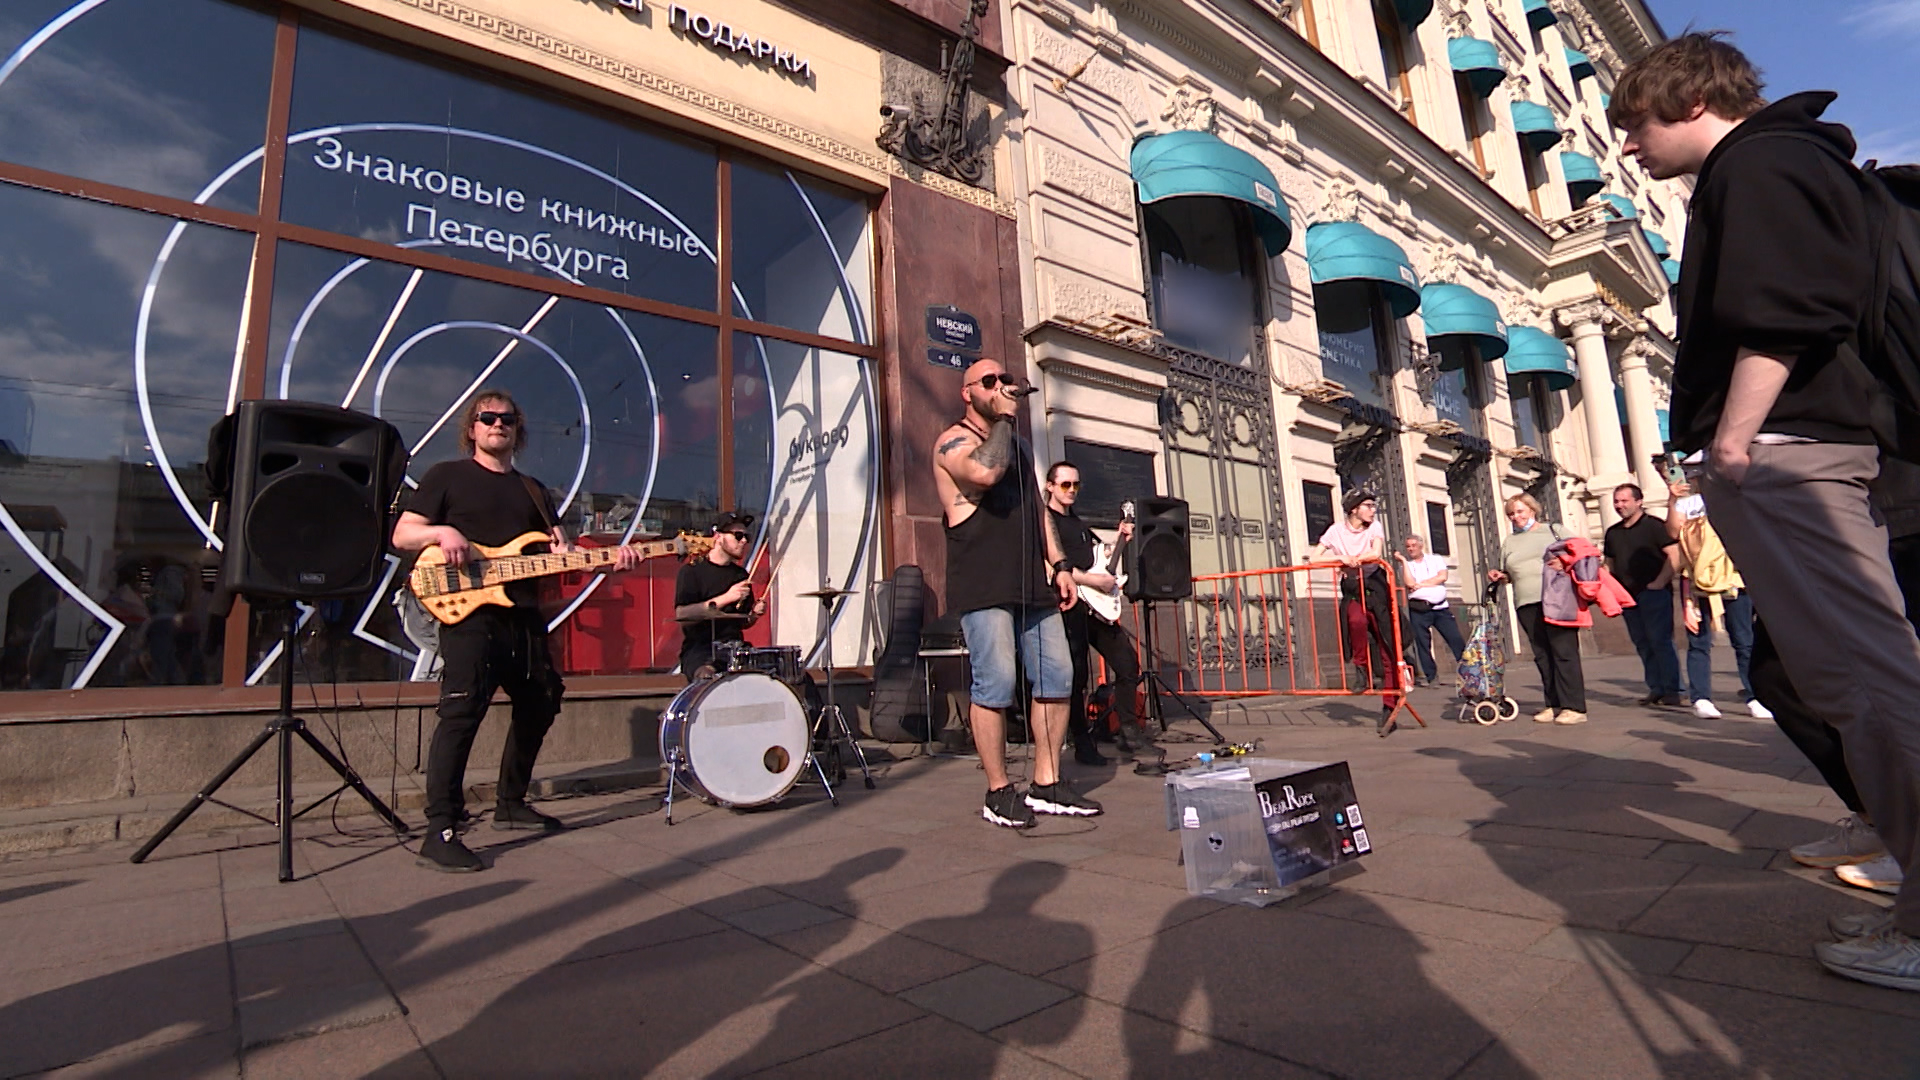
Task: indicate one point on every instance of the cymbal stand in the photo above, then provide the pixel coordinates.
(827, 596)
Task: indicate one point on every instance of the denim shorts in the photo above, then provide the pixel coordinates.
(990, 647)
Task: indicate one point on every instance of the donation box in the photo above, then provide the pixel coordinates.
(1258, 830)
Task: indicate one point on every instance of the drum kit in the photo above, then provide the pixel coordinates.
(742, 737)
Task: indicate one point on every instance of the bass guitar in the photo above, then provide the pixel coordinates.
(452, 593)
(1106, 557)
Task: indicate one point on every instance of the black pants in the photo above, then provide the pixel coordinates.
(1556, 652)
(1115, 645)
(1425, 624)
(493, 649)
(1816, 738)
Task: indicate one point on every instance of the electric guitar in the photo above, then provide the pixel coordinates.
(1106, 557)
(452, 593)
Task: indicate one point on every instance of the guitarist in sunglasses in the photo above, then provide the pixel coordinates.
(1086, 627)
(482, 499)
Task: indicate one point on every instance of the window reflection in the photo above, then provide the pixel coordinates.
(156, 95)
(802, 253)
(396, 149)
(806, 460)
(1204, 281)
(623, 426)
(104, 564)
(1532, 405)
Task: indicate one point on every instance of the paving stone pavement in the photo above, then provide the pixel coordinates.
(1609, 900)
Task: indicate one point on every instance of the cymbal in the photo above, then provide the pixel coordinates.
(828, 593)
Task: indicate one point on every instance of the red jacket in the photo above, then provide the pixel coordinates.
(1575, 579)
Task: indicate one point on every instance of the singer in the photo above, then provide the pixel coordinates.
(1007, 576)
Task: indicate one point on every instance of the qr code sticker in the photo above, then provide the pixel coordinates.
(1353, 816)
(1360, 841)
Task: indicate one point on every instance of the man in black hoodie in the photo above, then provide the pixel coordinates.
(1773, 281)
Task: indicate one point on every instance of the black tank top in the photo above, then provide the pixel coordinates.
(998, 556)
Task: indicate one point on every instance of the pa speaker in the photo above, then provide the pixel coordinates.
(1159, 561)
(306, 493)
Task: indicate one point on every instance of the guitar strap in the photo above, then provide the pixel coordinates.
(539, 500)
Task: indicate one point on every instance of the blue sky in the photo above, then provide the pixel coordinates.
(1866, 50)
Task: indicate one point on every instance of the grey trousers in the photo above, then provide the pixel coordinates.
(1814, 557)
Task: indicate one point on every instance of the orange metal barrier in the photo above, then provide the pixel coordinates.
(1281, 630)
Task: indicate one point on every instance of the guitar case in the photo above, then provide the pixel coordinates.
(899, 711)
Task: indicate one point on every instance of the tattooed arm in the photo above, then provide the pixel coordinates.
(973, 463)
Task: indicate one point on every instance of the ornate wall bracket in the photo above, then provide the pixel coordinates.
(941, 141)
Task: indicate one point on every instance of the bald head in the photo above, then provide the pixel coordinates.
(983, 366)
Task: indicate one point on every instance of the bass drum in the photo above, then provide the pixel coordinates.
(740, 739)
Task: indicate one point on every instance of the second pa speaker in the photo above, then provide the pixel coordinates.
(306, 493)
(1160, 560)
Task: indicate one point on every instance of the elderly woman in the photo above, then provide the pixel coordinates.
(1556, 649)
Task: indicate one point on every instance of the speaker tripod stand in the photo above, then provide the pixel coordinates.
(282, 730)
(1156, 685)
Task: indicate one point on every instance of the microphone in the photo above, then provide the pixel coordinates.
(1024, 391)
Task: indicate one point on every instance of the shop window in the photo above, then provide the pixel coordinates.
(1110, 477)
(1392, 35)
(1439, 529)
(154, 95)
(1317, 502)
(1359, 339)
(802, 253)
(413, 151)
(1457, 397)
(103, 580)
(1205, 278)
(1474, 120)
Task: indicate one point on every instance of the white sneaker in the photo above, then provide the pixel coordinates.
(1882, 875)
(1704, 709)
(1544, 716)
(1888, 958)
(1759, 711)
(1851, 841)
(1865, 924)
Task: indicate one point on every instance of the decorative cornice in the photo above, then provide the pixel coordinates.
(1152, 20)
(1067, 369)
(579, 56)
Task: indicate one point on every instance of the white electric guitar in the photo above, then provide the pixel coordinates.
(1106, 557)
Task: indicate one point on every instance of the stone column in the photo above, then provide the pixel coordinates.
(1587, 320)
(1642, 424)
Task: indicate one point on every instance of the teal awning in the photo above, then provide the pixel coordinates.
(1579, 64)
(1342, 251)
(1606, 102)
(1536, 352)
(1583, 175)
(1657, 242)
(1413, 12)
(1622, 206)
(1458, 318)
(1673, 271)
(1536, 127)
(1666, 425)
(1184, 163)
(1620, 402)
(1539, 15)
(1479, 61)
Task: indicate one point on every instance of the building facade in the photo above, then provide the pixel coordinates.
(1276, 250)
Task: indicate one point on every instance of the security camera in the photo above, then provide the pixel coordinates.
(892, 109)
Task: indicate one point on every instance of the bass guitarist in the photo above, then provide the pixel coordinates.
(1085, 626)
(482, 499)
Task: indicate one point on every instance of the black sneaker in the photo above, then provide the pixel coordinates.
(1003, 807)
(1089, 754)
(1670, 701)
(443, 851)
(462, 821)
(1060, 798)
(510, 816)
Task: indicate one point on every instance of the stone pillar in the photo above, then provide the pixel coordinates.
(1642, 424)
(1609, 465)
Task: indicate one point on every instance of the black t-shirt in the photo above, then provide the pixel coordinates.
(488, 508)
(698, 582)
(1076, 540)
(1638, 551)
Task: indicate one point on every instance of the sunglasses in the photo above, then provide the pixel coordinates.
(735, 534)
(993, 380)
(1067, 485)
(490, 418)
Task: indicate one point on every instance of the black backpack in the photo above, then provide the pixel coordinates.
(1889, 336)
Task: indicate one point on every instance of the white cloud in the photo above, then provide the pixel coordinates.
(1881, 17)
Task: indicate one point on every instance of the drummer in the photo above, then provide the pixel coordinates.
(712, 599)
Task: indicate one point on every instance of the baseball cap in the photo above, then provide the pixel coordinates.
(732, 518)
